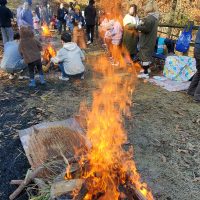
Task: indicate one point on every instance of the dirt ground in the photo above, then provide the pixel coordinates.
(164, 131)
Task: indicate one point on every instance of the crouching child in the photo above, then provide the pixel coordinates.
(69, 59)
(30, 49)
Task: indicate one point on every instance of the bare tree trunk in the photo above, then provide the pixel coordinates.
(171, 21)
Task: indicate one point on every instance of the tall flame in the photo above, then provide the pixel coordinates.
(110, 164)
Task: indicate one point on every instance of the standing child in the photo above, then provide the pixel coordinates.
(115, 33)
(30, 48)
(70, 59)
(78, 31)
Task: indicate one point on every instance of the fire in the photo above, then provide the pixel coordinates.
(110, 163)
(110, 166)
(49, 52)
(45, 31)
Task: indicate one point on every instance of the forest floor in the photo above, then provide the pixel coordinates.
(164, 131)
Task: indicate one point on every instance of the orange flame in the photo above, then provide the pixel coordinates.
(49, 52)
(45, 31)
(109, 164)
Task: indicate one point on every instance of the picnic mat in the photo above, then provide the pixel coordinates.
(179, 68)
(170, 85)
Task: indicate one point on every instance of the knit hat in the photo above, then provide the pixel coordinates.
(77, 7)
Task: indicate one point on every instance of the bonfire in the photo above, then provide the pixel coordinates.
(45, 31)
(103, 169)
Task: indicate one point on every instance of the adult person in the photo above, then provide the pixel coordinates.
(44, 15)
(26, 17)
(18, 16)
(148, 37)
(194, 89)
(69, 17)
(61, 18)
(130, 36)
(37, 10)
(12, 61)
(90, 18)
(5, 22)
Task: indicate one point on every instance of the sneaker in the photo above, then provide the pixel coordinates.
(32, 83)
(63, 78)
(11, 77)
(82, 77)
(42, 81)
(145, 76)
(142, 71)
(20, 77)
(89, 42)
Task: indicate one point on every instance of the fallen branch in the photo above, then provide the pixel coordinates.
(16, 182)
(31, 175)
(82, 193)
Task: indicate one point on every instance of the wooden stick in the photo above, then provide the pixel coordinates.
(16, 182)
(83, 191)
(27, 180)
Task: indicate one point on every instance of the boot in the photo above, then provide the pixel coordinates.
(42, 81)
(194, 84)
(32, 83)
(197, 93)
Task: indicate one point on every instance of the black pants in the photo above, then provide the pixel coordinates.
(90, 32)
(62, 26)
(31, 68)
(194, 89)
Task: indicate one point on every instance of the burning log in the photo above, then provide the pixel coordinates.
(82, 193)
(64, 187)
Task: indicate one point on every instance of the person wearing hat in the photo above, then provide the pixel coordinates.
(90, 18)
(5, 22)
(69, 59)
(78, 31)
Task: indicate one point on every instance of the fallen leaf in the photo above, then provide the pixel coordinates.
(198, 121)
(182, 151)
(163, 158)
(190, 146)
(197, 179)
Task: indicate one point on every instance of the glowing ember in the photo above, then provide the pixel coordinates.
(45, 31)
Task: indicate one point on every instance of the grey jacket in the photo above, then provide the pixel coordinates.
(71, 56)
(148, 37)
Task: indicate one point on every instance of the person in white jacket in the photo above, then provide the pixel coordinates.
(69, 59)
(131, 36)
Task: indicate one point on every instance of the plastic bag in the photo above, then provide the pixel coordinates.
(183, 42)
